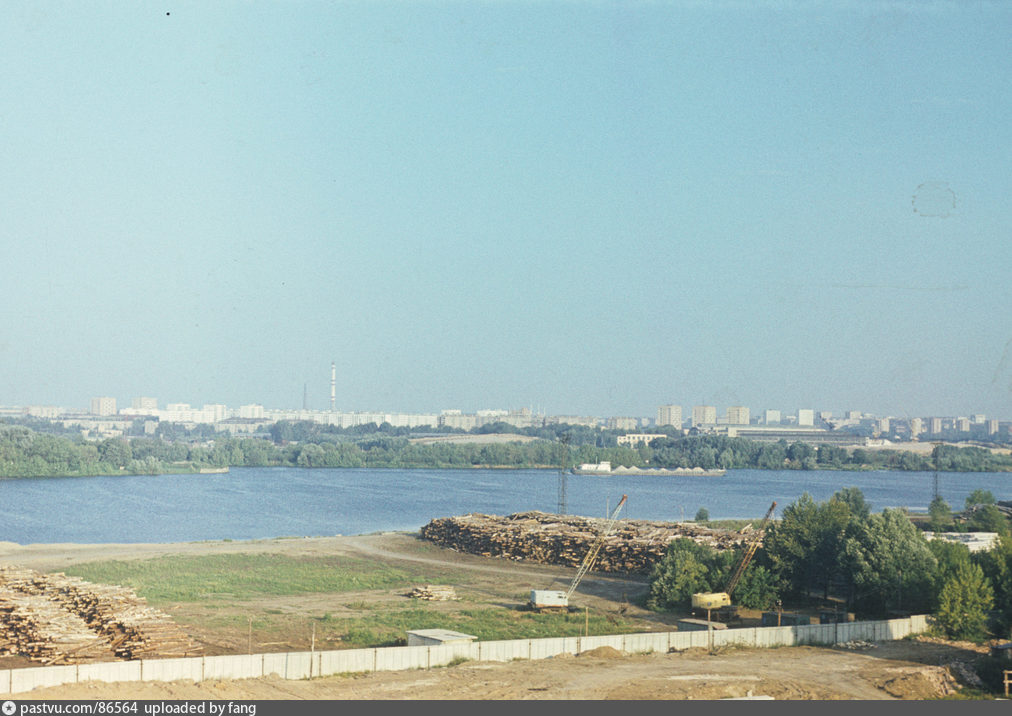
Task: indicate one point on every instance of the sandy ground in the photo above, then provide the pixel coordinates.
(895, 670)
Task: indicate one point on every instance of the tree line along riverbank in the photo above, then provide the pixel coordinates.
(27, 452)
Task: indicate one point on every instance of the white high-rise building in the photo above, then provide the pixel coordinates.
(669, 415)
(251, 412)
(704, 415)
(144, 403)
(916, 426)
(737, 415)
(103, 406)
(806, 418)
(771, 417)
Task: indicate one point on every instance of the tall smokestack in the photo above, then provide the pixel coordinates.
(333, 385)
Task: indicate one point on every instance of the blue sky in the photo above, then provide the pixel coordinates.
(586, 208)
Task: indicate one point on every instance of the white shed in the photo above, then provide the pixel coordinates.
(435, 637)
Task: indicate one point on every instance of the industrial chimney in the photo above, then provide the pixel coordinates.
(333, 385)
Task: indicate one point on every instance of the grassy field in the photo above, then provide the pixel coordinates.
(171, 580)
(346, 602)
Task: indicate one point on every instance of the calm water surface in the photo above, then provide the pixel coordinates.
(253, 503)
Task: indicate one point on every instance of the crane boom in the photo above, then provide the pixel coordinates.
(750, 551)
(588, 561)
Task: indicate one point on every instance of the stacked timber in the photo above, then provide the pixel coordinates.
(433, 593)
(54, 618)
(633, 546)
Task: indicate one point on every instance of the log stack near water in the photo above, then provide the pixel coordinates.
(634, 546)
(53, 619)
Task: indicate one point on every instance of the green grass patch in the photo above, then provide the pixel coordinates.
(389, 628)
(208, 578)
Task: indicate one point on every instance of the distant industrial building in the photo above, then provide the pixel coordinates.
(669, 415)
(814, 436)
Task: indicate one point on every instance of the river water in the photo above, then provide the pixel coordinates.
(255, 503)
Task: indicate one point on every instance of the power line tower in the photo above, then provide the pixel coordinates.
(563, 467)
(936, 451)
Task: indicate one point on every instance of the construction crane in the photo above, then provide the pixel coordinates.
(722, 600)
(544, 600)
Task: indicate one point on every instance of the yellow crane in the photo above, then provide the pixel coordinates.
(556, 600)
(721, 600)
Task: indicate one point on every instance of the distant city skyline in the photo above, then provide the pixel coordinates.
(584, 208)
(662, 414)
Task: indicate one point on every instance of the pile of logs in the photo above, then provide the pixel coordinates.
(54, 618)
(634, 545)
(433, 593)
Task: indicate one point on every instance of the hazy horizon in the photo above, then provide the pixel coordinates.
(584, 208)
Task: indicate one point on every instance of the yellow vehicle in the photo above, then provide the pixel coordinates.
(721, 601)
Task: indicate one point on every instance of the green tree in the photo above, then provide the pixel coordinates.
(853, 498)
(987, 518)
(803, 547)
(757, 588)
(683, 571)
(888, 565)
(979, 497)
(940, 514)
(703, 515)
(963, 604)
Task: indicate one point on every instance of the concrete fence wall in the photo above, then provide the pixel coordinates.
(305, 665)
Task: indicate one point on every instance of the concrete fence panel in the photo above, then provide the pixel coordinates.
(645, 643)
(300, 665)
(446, 653)
(182, 669)
(348, 661)
(36, 676)
(679, 640)
(5, 681)
(398, 658)
(544, 648)
(807, 634)
(233, 666)
(899, 628)
(504, 650)
(588, 643)
(774, 636)
(111, 671)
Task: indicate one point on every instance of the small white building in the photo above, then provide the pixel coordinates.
(436, 637)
